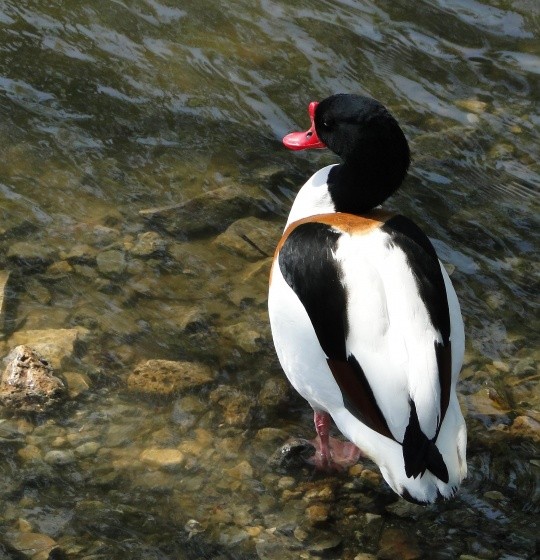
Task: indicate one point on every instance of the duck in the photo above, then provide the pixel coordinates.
(364, 318)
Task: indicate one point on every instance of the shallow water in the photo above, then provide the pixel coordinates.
(108, 110)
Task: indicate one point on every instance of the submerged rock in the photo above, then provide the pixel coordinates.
(526, 427)
(28, 383)
(396, 544)
(237, 406)
(211, 211)
(167, 377)
(36, 546)
(251, 238)
(292, 455)
(31, 255)
(275, 392)
(111, 263)
(243, 336)
(148, 244)
(252, 284)
(159, 457)
(56, 345)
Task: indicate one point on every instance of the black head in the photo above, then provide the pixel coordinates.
(372, 145)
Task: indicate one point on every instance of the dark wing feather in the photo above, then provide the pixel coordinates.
(307, 264)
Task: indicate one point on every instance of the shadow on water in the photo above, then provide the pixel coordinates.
(143, 186)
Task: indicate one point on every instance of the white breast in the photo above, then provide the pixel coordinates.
(313, 198)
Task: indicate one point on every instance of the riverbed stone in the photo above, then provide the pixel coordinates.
(37, 291)
(486, 402)
(58, 270)
(236, 406)
(158, 457)
(60, 457)
(111, 263)
(148, 244)
(212, 211)
(317, 513)
(35, 546)
(31, 255)
(250, 238)
(396, 544)
(405, 509)
(80, 253)
(525, 427)
(87, 449)
(28, 383)
(56, 345)
(275, 546)
(291, 456)
(167, 377)
(322, 542)
(179, 319)
(29, 453)
(243, 336)
(252, 284)
(472, 105)
(274, 392)
(77, 383)
(241, 471)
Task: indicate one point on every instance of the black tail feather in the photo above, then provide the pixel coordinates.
(419, 452)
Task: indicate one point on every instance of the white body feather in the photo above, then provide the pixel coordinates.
(391, 336)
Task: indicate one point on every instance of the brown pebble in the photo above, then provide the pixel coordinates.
(317, 513)
(396, 544)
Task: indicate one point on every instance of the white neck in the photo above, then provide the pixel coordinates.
(313, 198)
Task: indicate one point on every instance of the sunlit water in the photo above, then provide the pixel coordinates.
(109, 109)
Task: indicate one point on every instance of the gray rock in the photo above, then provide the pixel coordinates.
(87, 449)
(60, 457)
(31, 255)
(405, 509)
(112, 262)
(291, 456)
(278, 547)
(323, 541)
(81, 254)
(28, 383)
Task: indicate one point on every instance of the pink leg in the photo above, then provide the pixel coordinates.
(322, 427)
(331, 454)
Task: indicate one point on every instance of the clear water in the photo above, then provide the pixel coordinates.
(108, 109)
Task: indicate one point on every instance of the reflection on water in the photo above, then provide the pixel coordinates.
(110, 112)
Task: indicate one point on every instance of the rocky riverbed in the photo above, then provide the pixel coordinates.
(182, 449)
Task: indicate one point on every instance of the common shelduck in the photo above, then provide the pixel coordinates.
(365, 321)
